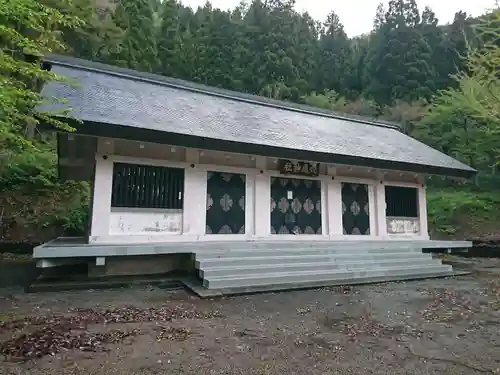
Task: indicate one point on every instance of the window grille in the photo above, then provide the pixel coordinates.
(401, 201)
(145, 186)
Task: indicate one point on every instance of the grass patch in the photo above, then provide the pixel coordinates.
(464, 213)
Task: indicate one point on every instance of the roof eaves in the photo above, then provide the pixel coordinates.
(203, 89)
(95, 129)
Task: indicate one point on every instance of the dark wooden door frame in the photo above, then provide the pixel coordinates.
(226, 203)
(302, 213)
(355, 214)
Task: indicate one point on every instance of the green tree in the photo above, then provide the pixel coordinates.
(327, 100)
(466, 119)
(27, 30)
(334, 62)
(459, 36)
(399, 60)
(137, 48)
(169, 39)
(97, 37)
(280, 47)
(407, 115)
(379, 19)
(355, 81)
(216, 36)
(434, 36)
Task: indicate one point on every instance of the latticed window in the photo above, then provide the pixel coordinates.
(401, 201)
(145, 186)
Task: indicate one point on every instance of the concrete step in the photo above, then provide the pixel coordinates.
(203, 292)
(278, 278)
(307, 258)
(232, 271)
(211, 254)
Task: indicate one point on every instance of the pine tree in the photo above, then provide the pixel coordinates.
(215, 37)
(379, 19)
(355, 82)
(98, 36)
(459, 37)
(435, 38)
(335, 57)
(399, 61)
(270, 52)
(137, 49)
(169, 39)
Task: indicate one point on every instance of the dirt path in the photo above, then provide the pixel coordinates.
(445, 326)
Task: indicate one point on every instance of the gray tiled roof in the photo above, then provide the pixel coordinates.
(107, 95)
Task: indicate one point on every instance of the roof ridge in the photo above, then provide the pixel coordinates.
(89, 65)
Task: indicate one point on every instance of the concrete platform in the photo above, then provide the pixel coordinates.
(76, 247)
(266, 264)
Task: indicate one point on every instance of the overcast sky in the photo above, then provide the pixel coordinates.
(357, 15)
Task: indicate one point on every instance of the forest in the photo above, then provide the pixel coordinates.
(439, 82)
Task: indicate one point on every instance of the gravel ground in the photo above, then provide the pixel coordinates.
(444, 326)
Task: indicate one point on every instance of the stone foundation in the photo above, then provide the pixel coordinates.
(142, 265)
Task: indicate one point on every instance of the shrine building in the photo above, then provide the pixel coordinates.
(237, 190)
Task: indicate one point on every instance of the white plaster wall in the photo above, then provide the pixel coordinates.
(195, 201)
(372, 207)
(325, 220)
(145, 226)
(408, 228)
(380, 207)
(377, 207)
(129, 221)
(403, 225)
(262, 205)
(101, 206)
(113, 227)
(334, 204)
(249, 205)
(422, 207)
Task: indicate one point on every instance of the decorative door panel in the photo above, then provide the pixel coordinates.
(225, 203)
(295, 206)
(355, 209)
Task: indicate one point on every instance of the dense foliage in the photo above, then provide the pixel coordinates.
(30, 195)
(407, 65)
(26, 29)
(439, 82)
